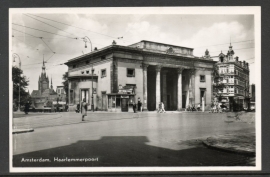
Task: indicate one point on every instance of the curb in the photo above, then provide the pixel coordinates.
(251, 154)
(17, 131)
(40, 116)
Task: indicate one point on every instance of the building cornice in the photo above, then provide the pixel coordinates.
(112, 48)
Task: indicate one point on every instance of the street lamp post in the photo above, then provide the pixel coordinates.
(92, 97)
(14, 56)
(92, 105)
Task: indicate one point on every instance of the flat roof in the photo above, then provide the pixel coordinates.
(164, 44)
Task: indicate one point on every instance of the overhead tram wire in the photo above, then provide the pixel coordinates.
(77, 27)
(47, 45)
(25, 33)
(233, 49)
(76, 38)
(43, 31)
(24, 42)
(48, 24)
(50, 57)
(223, 44)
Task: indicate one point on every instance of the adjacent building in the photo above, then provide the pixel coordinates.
(115, 77)
(252, 96)
(235, 76)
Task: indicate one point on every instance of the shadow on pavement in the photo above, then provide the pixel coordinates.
(115, 151)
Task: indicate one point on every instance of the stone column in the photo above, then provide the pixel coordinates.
(164, 88)
(158, 68)
(192, 78)
(144, 101)
(212, 85)
(68, 93)
(179, 89)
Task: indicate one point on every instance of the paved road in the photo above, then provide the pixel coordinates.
(126, 139)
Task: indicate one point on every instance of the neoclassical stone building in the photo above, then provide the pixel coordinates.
(147, 71)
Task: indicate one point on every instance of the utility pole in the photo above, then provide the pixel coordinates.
(92, 97)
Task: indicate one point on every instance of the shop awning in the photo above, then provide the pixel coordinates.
(83, 77)
(120, 94)
(239, 97)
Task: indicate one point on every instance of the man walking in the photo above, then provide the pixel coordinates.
(84, 109)
(162, 107)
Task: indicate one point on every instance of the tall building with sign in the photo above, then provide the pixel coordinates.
(235, 76)
(146, 71)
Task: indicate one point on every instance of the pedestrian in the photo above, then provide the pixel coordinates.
(26, 107)
(199, 107)
(66, 107)
(139, 106)
(134, 107)
(84, 109)
(78, 108)
(163, 107)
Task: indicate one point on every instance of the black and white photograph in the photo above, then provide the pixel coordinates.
(135, 89)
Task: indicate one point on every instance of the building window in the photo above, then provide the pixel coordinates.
(87, 72)
(130, 72)
(202, 78)
(184, 78)
(103, 73)
(82, 72)
(74, 66)
(87, 62)
(103, 57)
(85, 94)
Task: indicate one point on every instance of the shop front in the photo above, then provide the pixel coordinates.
(118, 102)
(123, 100)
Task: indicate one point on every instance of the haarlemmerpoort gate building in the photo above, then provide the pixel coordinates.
(147, 71)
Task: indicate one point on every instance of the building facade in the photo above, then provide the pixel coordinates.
(146, 71)
(235, 76)
(252, 96)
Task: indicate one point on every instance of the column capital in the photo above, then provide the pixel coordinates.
(192, 71)
(180, 70)
(158, 68)
(145, 66)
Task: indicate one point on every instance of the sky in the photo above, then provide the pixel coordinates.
(59, 42)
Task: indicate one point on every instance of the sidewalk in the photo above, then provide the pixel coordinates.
(26, 130)
(240, 143)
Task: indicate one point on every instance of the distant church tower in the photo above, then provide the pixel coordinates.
(51, 83)
(43, 81)
(230, 52)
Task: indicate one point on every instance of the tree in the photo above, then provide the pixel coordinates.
(218, 84)
(19, 81)
(65, 83)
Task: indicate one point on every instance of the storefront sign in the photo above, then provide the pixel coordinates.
(124, 96)
(126, 89)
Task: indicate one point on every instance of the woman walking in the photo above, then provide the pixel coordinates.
(84, 109)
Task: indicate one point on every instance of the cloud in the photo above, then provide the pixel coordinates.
(218, 33)
(144, 30)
